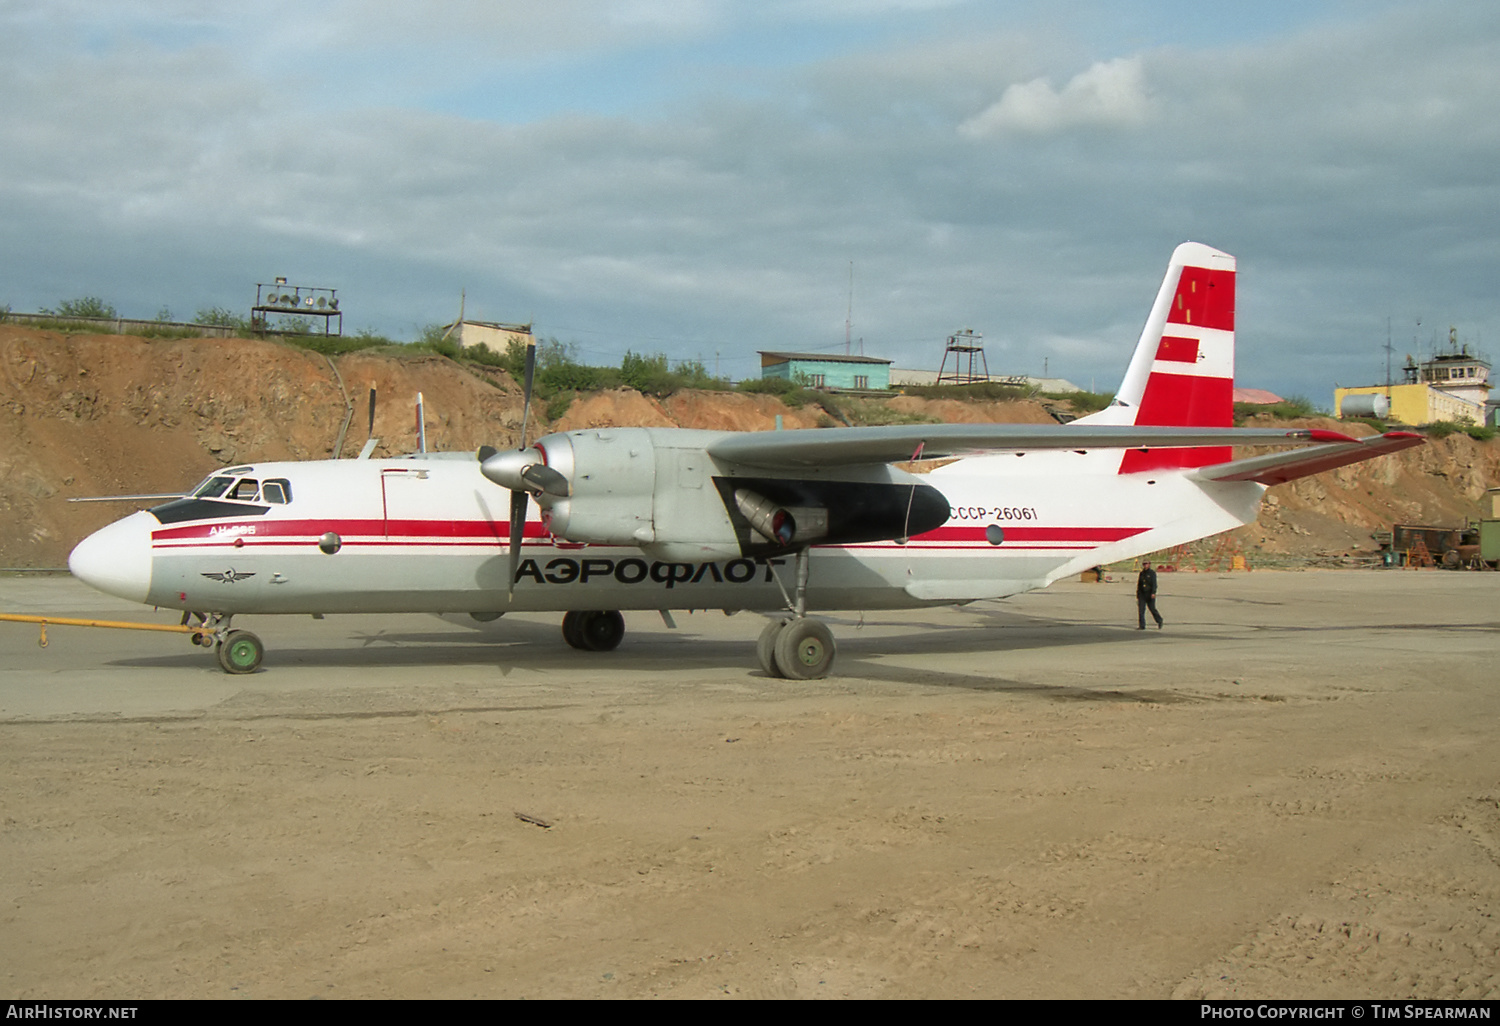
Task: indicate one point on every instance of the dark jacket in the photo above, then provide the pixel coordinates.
(1145, 585)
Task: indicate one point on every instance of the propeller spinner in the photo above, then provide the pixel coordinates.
(522, 470)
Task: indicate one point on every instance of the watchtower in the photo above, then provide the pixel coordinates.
(965, 346)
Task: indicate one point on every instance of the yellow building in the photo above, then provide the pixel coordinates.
(1452, 386)
(1416, 404)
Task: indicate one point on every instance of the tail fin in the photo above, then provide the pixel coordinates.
(1182, 373)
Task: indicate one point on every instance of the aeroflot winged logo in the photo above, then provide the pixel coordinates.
(230, 576)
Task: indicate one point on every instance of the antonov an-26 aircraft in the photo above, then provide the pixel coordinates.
(777, 521)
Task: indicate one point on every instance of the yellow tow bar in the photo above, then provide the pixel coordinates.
(64, 621)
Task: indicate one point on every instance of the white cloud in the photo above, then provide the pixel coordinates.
(1110, 93)
(1349, 165)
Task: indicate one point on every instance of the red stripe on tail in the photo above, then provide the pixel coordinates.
(1204, 297)
(1204, 300)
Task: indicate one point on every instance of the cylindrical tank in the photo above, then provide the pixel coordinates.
(1370, 405)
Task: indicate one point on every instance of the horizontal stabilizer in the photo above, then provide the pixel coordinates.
(1281, 467)
(845, 446)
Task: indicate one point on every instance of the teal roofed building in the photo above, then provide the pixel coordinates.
(822, 370)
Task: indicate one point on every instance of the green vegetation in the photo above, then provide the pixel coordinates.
(868, 412)
(1083, 403)
(1444, 428)
(85, 306)
(1288, 409)
(650, 375)
(220, 317)
(991, 390)
(789, 392)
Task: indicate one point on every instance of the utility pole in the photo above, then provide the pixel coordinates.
(849, 315)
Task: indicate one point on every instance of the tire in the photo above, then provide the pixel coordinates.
(602, 630)
(571, 622)
(805, 649)
(240, 652)
(765, 648)
(593, 630)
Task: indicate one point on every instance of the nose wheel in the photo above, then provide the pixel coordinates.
(240, 652)
(237, 651)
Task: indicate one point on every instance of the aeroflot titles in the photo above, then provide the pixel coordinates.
(637, 571)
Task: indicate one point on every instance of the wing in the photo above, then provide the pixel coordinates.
(1281, 467)
(845, 446)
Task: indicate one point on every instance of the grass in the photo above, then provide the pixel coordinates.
(990, 390)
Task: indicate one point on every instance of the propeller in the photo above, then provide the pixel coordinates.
(522, 470)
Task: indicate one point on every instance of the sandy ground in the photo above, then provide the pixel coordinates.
(1292, 791)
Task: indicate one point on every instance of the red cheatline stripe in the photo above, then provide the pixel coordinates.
(1093, 535)
(471, 532)
(282, 529)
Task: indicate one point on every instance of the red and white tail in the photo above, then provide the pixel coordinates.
(1182, 373)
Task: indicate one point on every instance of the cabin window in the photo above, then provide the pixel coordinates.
(861, 381)
(278, 491)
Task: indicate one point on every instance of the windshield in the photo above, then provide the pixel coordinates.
(212, 488)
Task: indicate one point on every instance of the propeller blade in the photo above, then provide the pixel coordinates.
(543, 478)
(517, 529)
(530, 377)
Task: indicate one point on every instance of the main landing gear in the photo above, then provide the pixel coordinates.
(799, 648)
(593, 630)
(237, 651)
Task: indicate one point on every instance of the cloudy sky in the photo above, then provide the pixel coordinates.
(696, 177)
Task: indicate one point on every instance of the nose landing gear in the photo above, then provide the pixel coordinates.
(237, 651)
(240, 652)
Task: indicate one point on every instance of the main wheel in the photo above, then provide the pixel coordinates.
(804, 649)
(765, 648)
(240, 652)
(593, 630)
(603, 630)
(571, 623)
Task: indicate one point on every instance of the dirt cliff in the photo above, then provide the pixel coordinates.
(90, 415)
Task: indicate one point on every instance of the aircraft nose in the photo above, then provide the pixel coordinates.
(117, 559)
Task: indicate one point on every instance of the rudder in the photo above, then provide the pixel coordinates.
(1182, 372)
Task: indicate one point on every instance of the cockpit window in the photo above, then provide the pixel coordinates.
(246, 490)
(212, 488)
(277, 490)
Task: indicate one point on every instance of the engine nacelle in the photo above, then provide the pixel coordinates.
(659, 490)
(612, 476)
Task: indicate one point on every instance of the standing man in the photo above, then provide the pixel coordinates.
(1145, 595)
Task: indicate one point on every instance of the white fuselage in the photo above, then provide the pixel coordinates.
(430, 534)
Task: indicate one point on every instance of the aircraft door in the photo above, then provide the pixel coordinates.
(403, 495)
